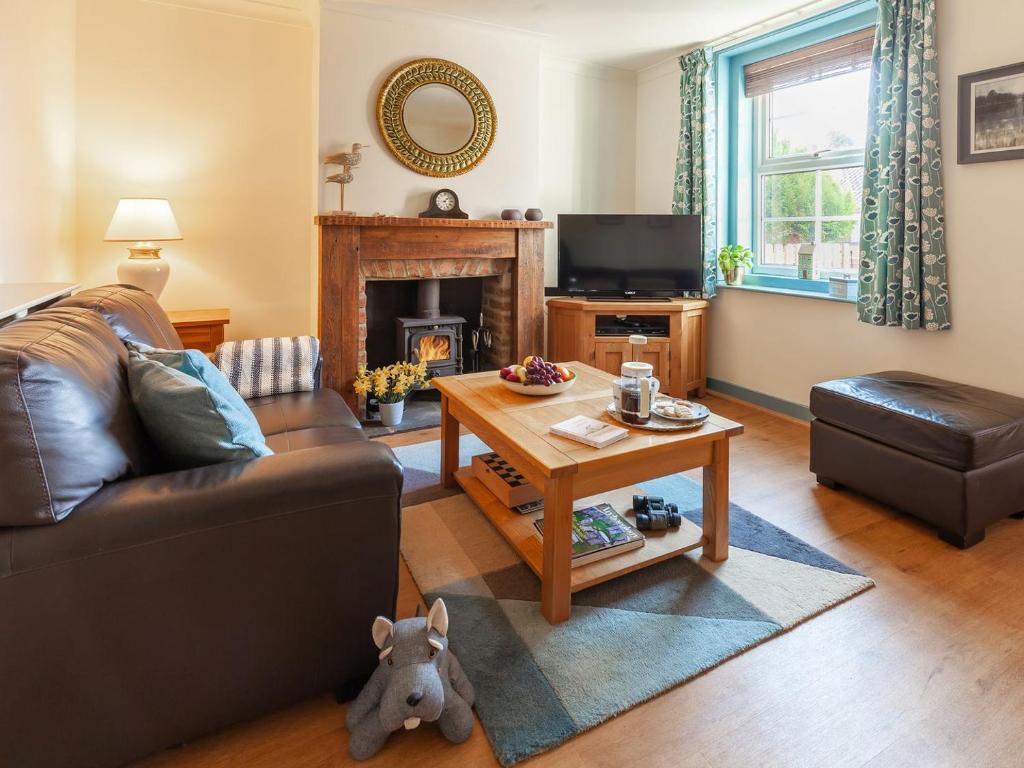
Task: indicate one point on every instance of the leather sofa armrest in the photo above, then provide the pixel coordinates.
(170, 606)
(360, 477)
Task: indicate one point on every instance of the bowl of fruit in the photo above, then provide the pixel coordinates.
(537, 377)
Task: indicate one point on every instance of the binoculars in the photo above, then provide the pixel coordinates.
(653, 514)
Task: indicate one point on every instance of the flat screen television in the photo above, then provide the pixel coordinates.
(628, 255)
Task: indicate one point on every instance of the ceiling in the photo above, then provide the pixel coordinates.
(629, 34)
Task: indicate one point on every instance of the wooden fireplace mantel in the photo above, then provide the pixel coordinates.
(408, 221)
(348, 241)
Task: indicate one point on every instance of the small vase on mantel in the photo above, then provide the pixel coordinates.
(391, 413)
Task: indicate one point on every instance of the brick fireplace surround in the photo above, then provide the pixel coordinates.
(354, 249)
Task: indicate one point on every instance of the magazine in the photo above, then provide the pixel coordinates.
(598, 532)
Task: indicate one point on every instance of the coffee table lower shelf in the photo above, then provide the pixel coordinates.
(518, 530)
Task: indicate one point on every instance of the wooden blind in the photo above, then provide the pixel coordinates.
(837, 56)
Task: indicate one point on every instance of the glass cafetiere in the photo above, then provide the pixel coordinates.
(635, 391)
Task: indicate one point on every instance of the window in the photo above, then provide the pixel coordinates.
(809, 175)
(792, 127)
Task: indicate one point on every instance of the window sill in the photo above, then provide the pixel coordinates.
(788, 292)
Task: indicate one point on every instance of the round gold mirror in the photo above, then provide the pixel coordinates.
(436, 117)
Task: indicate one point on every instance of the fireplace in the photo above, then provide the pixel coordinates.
(503, 259)
(430, 336)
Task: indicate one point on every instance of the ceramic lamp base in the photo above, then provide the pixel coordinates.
(150, 273)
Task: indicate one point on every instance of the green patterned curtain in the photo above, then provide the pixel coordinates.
(694, 190)
(902, 244)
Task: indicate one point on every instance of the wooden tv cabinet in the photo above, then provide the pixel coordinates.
(679, 359)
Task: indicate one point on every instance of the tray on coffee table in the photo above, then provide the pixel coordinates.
(659, 423)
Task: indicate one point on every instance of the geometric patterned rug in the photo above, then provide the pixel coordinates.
(629, 639)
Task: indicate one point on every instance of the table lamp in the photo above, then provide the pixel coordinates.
(143, 220)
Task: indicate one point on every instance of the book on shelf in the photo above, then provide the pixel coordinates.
(589, 431)
(598, 532)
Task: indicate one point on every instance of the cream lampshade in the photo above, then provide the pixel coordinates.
(143, 220)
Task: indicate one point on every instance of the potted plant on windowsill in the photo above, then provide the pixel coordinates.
(734, 260)
(391, 385)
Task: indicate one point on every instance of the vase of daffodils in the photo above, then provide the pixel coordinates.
(391, 385)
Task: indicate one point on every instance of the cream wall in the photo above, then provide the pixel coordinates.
(587, 143)
(657, 135)
(213, 110)
(566, 130)
(360, 45)
(781, 345)
(217, 105)
(37, 140)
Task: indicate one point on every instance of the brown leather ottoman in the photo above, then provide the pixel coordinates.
(947, 453)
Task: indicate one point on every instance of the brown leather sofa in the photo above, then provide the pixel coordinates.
(947, 453)
(142, 608)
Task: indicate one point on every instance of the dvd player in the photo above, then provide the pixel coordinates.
(625, 325)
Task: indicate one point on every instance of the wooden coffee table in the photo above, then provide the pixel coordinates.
(516, 426)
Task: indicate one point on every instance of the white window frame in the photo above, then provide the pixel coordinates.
(765, 164)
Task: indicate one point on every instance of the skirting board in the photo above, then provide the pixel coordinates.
(760, 399)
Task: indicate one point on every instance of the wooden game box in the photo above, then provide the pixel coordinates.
(502, 479)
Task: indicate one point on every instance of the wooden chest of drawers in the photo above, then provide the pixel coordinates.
(201, 329)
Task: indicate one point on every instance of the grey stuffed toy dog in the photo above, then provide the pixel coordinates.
(418, 679)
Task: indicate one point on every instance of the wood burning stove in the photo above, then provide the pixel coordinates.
(431, 336)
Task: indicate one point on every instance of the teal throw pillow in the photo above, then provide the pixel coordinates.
(189, 408)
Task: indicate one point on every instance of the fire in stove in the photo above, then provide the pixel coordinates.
(431, 337)
(434, 348)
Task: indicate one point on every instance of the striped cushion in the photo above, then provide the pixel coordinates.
(272, 366)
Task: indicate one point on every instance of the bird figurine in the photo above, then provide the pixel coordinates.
(347, 160)
(345, 177)
(350, 159)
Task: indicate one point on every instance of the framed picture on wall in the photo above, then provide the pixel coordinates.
(991, 115)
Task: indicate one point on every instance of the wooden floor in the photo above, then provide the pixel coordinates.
(925, 670)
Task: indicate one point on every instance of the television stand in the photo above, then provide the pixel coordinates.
(581, 330)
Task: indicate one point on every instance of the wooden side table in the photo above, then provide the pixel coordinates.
(201, 329)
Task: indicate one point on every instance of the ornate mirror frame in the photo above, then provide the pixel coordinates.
(400, 84)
